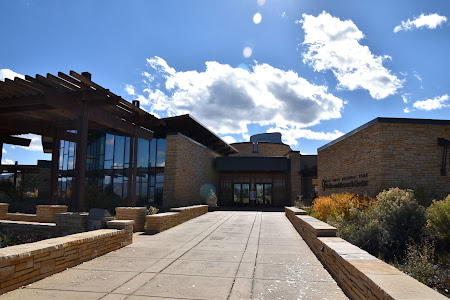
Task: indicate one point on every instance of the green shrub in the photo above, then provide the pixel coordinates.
(438, 221)
(385, 228)
(152, 210)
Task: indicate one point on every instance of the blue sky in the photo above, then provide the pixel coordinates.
(316, 69)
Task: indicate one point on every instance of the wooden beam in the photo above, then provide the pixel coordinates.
(13, 140)
(24, 108)
(22, 101)
(80, 163)
(65, 83)
(17, 87)
(82, 85)
(85, 80)
(54, 171)
(29, 85)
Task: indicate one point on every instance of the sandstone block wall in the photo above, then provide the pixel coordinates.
(137, 214)
(359, 274)
(44, 213)
(189, 165)
(163, 221)
(386, 155)
(23, 264)
(70, 222)
(295, 177)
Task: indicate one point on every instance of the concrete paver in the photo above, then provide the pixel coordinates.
(220, 255)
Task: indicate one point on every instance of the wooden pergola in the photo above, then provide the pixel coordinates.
(64, 107)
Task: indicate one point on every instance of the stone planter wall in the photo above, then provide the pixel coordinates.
(24, 264)
(160, 222)
(360, 275)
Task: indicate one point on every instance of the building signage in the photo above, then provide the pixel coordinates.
(345, 182)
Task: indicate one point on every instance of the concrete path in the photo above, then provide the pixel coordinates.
(220, 255)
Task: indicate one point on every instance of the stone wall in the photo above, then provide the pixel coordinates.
(24, 264)
(385, 155)
(264, 149)
(189, 165)
(163, 221)
(44, 213)
(359, 274)
(295, 177)
(42, 230)
(137, 214)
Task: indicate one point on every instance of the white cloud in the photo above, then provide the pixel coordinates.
(417, 75)
(431, 21)
(406, 110)
(334, 45)
(35, 145)
(229, 139)
(432, 104)
(290, 135)
(7, 73)
(4, 150)
(227, 99)
(6, 161)
(283, 15)
(405, 98)
(246, 137)
(129, 89)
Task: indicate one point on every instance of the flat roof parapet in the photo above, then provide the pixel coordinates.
(385, 120)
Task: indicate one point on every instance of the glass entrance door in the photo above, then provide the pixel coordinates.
(241, 193)
(264, 194)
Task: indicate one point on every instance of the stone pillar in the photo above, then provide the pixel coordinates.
(71, 223)
(46, 213)
(126, 225)
(3, 210)
(137, 214)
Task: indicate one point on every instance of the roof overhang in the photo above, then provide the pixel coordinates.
(252, 164)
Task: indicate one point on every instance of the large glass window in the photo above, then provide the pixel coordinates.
(107, 167)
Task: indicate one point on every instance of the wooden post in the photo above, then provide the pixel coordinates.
(130, 173)
(15, 175)
(54, 171)
(135, 160)
(80, 164)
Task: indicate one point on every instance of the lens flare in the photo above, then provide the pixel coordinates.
(261, 2)
(247, 52)
(257, 18)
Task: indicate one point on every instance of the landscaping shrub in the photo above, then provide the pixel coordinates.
(400, 219)
(338, 206)
(438, 221)
(9, 239)
(422, 263)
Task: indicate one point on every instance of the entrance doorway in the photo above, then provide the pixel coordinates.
(263, 194)
(241, 192)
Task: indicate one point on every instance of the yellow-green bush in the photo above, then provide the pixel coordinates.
(339, 205)
(438, 221)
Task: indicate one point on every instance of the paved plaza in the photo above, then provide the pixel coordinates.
(219, 255)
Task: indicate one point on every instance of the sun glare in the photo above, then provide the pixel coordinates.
(257, 18)
(247, 52)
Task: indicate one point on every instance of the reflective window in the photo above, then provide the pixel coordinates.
(161, 153)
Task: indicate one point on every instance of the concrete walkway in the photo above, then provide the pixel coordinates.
(220, 255)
